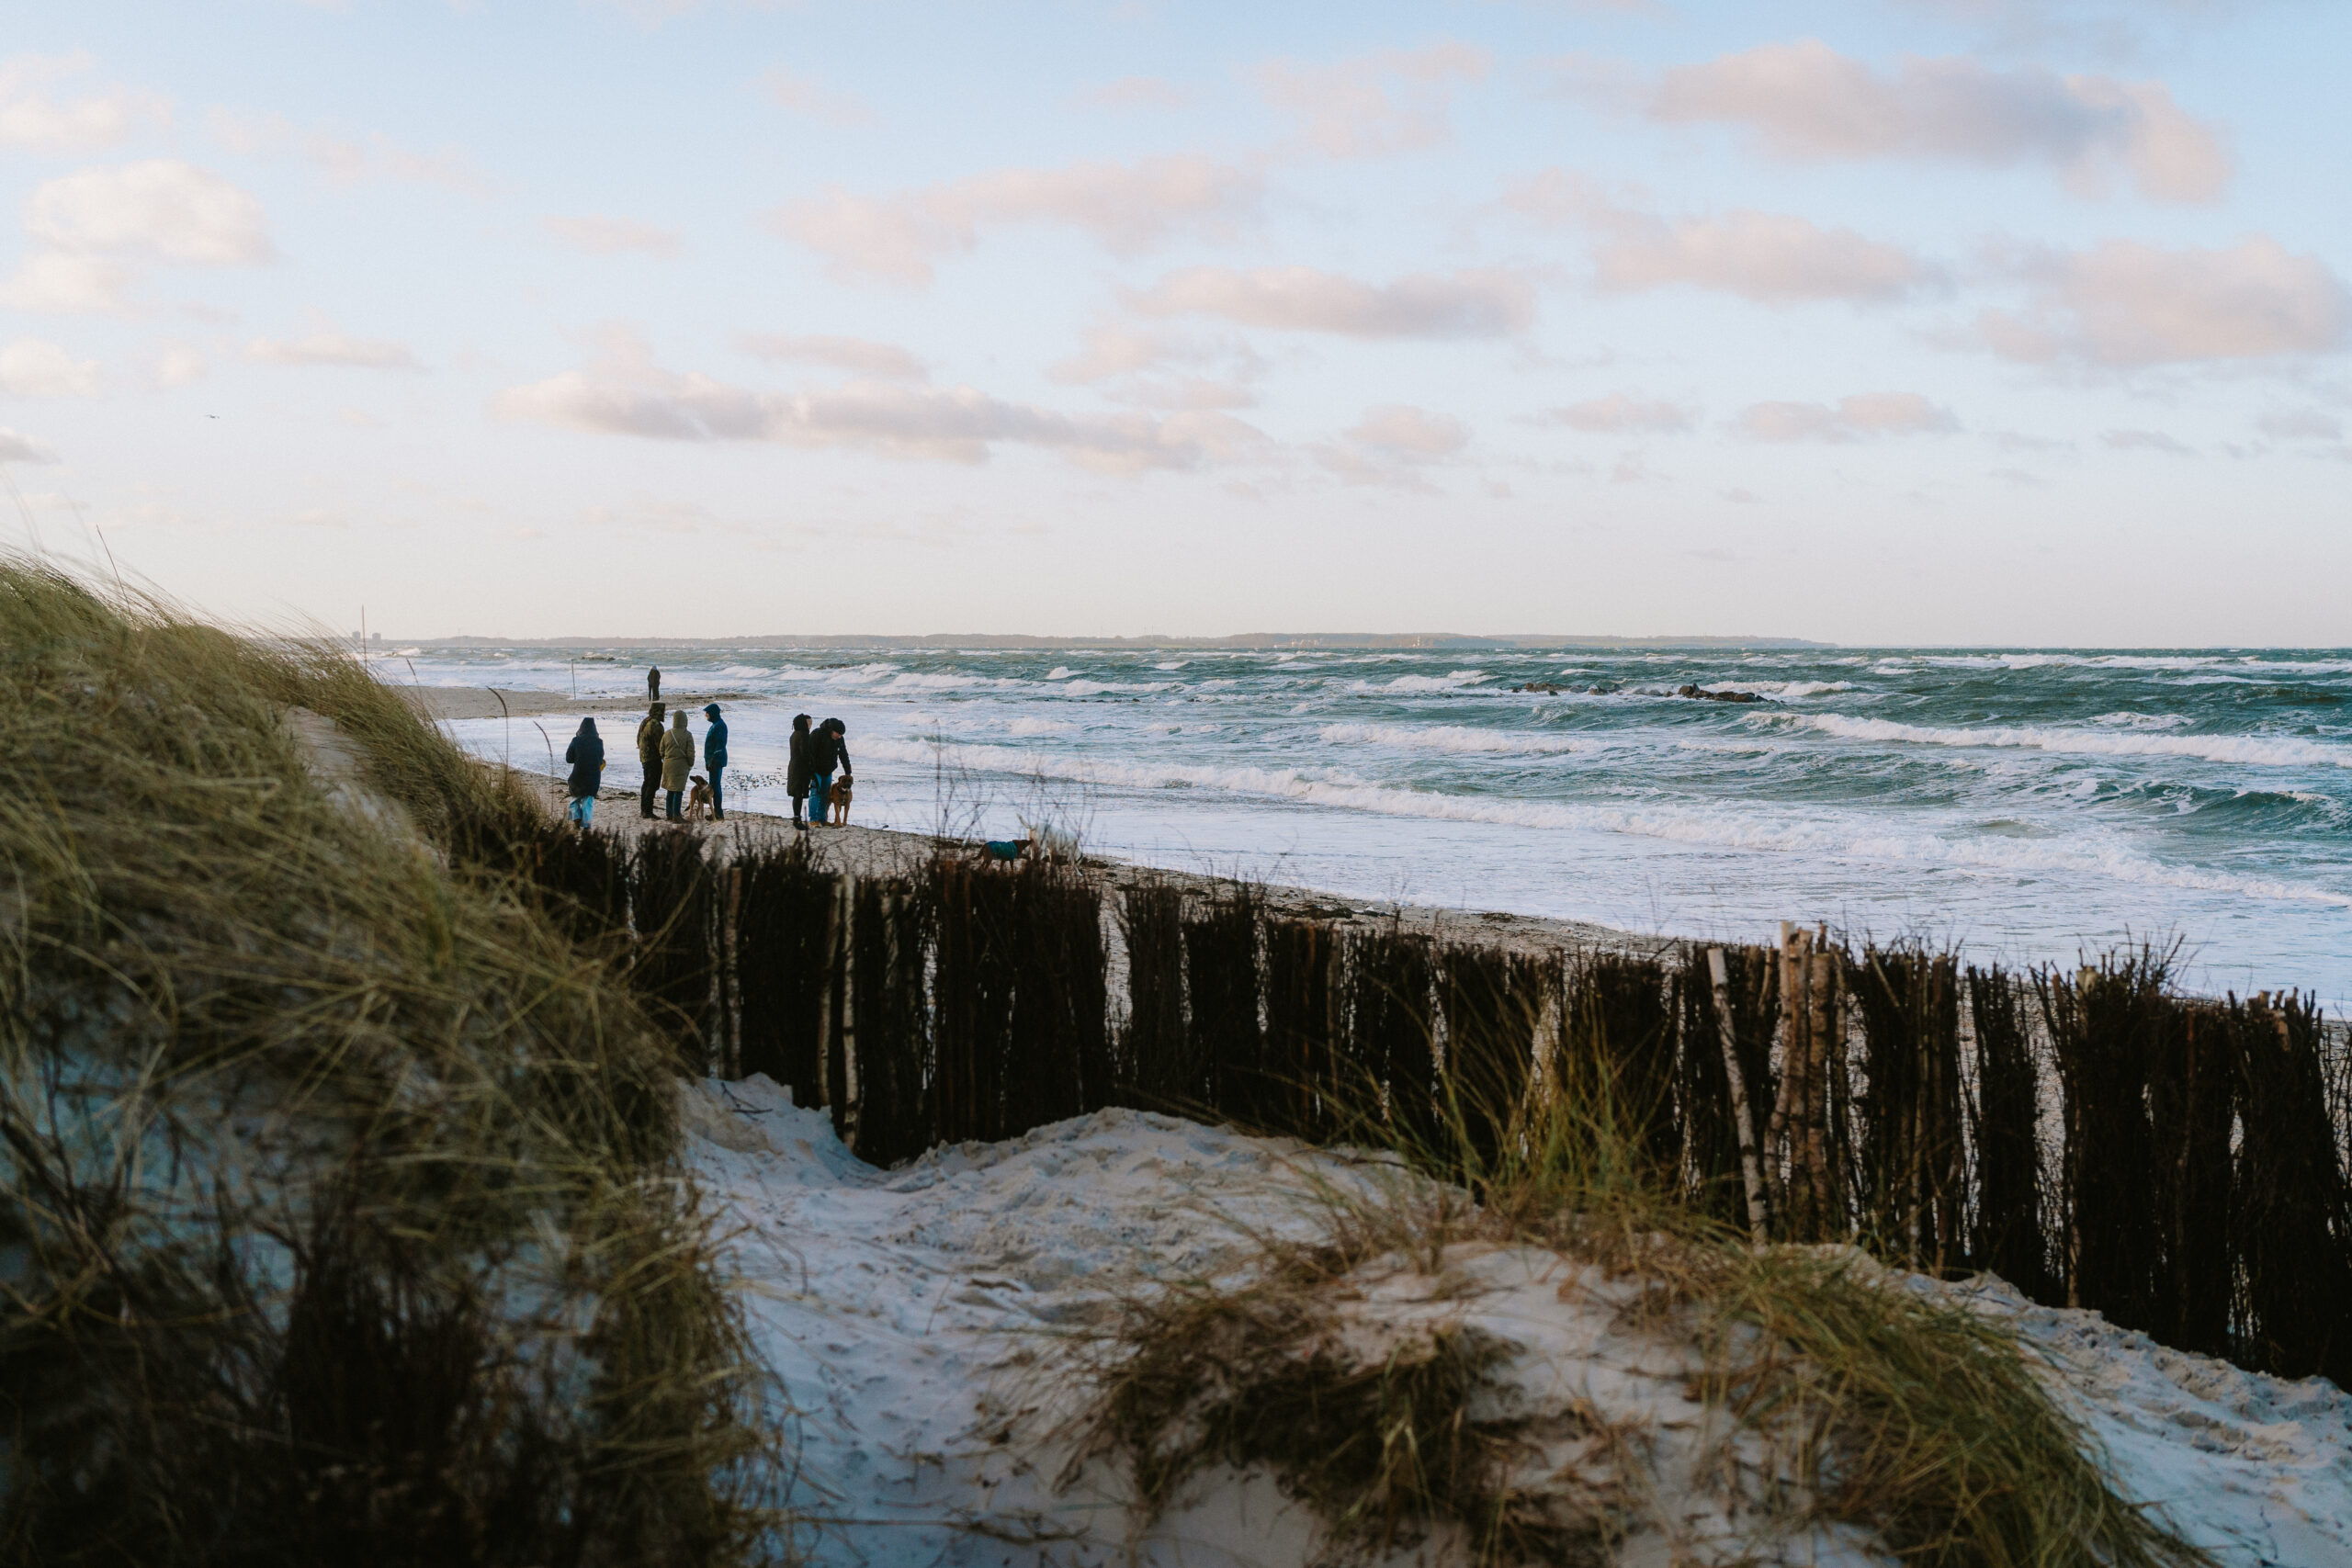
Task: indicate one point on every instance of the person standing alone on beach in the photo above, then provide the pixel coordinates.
(796, 769)
(649, 757)
(714, 757)
(654, 683)
(586, 755)
(677, 761)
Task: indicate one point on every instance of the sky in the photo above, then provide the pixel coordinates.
(2013, 322)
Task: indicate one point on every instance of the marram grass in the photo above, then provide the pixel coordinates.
(338, 1193)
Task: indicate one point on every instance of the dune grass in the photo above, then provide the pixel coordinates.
(1916, 1421)
(338, 1193)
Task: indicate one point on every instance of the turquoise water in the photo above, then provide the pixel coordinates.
(2029, 804)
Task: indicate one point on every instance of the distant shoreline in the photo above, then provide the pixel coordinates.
(1440, 642)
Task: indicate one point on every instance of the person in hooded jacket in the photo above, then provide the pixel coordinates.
(649, 757)
(714, 758)
(824, 755)
(586, 755)
(677, 761)
(796, 769)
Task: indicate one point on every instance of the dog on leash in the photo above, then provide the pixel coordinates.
(837, 803)
(697, 799)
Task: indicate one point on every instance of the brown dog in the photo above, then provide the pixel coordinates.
(837, 803)
(697, 799)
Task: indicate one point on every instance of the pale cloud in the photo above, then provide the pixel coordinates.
(162, 209)
(1409, 433)
(1807, 100)
(1468, 304)
(2308, 425)
(2144, 441)
(1375, 105)
(884, 361)
(1850, 419)
(805, 96)
(53, 283)
(328, 347)
(344, 159)
(177, 364)
(600, 236)
(1112, 348)
(1623, 414)
(1127, 208)
(1770, 257)
(2125, 305)
(31, 120)
(1389, 447)
(1135, 92)
(626, 395)
(1161, 370)
(32, 368)
(17, 447)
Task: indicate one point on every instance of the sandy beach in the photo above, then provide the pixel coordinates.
(880, 852)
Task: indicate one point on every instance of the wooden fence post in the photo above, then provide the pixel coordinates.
(1751, 1174)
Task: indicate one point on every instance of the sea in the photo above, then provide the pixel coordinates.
(2028, 805)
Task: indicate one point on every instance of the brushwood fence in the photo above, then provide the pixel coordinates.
(2181, 1163)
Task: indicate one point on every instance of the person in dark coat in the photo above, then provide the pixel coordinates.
(796, 769)
(824, 756)
(648, 756)
(654, 683)
(586, 755)
(714, 757)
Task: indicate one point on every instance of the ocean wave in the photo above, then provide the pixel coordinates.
(1407, 684)
(1097, 688)
(1459, 739)
(1779, 688)
(2273, 751)
(1730, 827)
(2143, 720)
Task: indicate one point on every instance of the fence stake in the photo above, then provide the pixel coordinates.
(1751, 1174)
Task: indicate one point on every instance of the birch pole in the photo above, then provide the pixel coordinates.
(1751, 1174)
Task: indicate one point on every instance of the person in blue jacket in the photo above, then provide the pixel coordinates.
(714, 757)
(586, 755)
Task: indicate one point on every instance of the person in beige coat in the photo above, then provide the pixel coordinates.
(677, 761)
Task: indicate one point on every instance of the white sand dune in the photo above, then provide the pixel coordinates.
(919, 1320)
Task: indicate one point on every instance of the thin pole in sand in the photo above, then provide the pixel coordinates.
(507, 719)
(1751, 1171)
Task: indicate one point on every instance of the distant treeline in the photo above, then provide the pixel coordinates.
(1446, 642)
(2090, 1135)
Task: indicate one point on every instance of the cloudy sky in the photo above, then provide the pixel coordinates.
(1984, 320)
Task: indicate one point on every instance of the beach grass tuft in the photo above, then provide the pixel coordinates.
(1920, 1422)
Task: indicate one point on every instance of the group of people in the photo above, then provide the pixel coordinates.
(818, 752)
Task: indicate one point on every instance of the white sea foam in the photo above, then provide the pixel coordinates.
(1408, 684)
(2282, 751)
(1462, 740)
(1098, 688)
(1843, 837)
(2144, 720)
(1779, 688)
